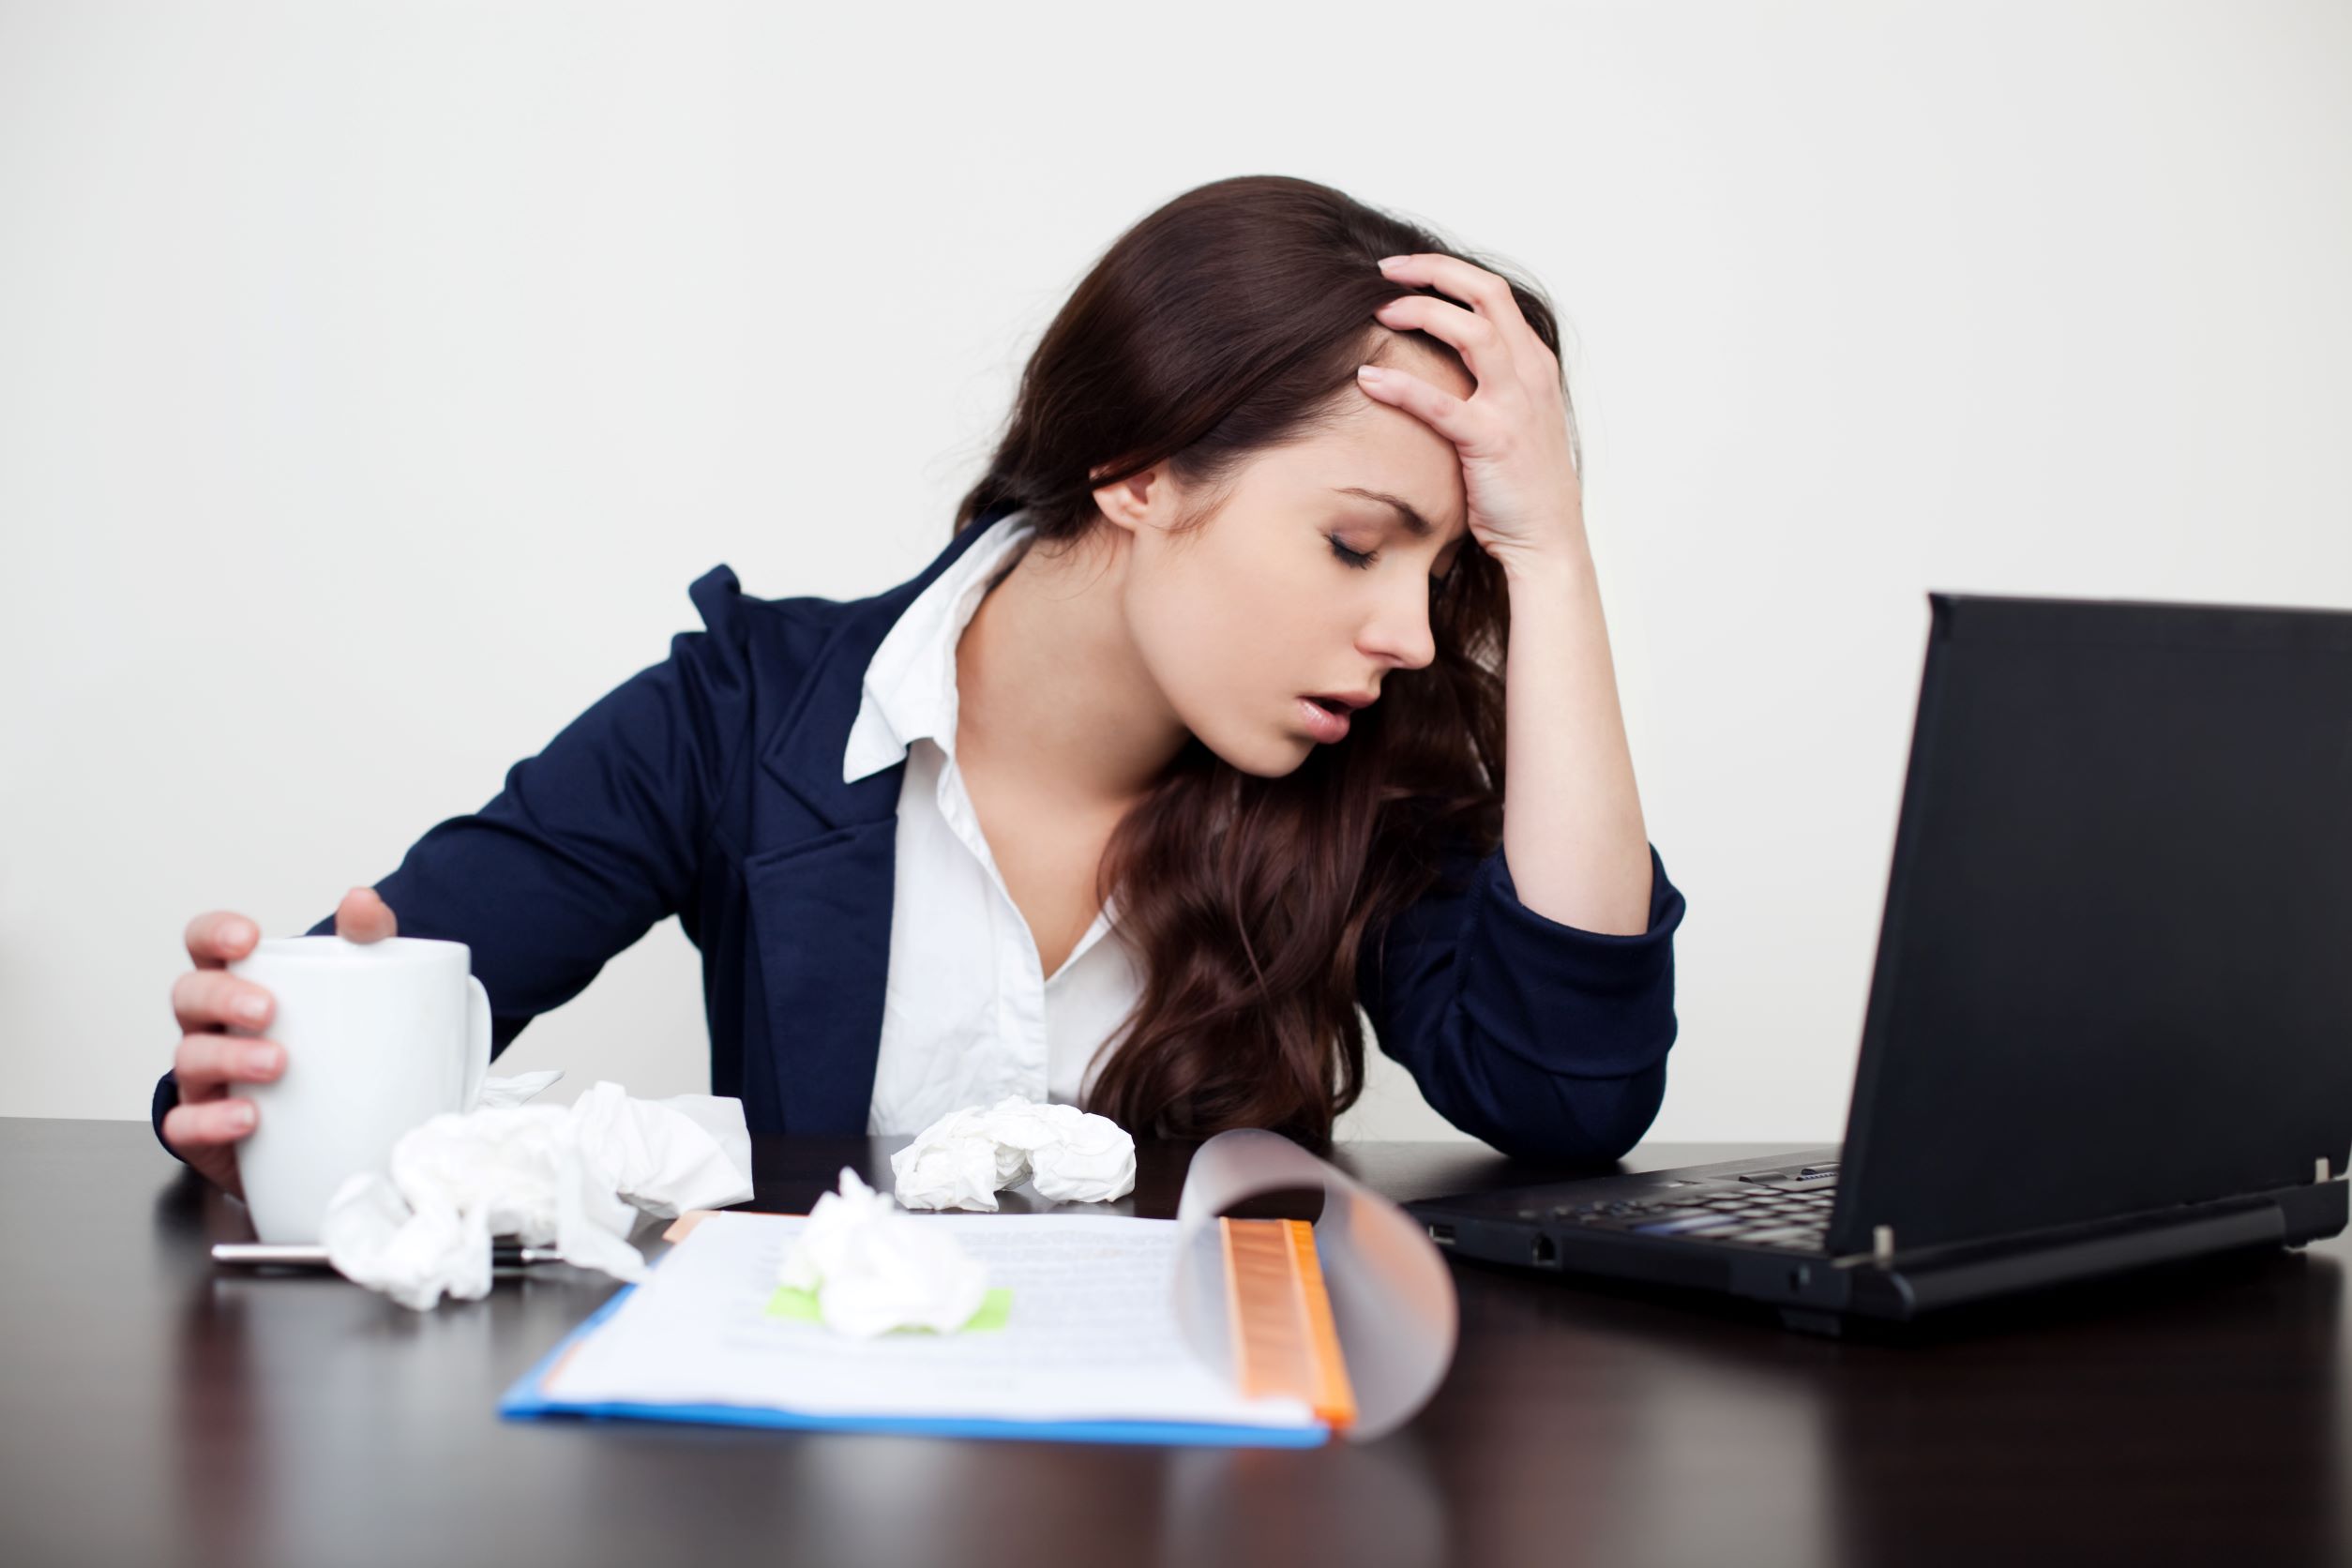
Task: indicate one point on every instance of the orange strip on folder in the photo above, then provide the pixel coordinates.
(1284, 1340)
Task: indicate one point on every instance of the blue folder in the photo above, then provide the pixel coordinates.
(526, 1401)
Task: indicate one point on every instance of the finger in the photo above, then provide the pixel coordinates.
(1442, 412)
(214, 999)
(204, 1063)
(218, 936)
(364, 917)
(216, 1121)
(1481, 346)
(1457, 277)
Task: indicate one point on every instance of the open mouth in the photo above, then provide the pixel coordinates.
(1325, 719)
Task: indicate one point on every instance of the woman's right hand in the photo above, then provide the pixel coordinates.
(203, 1128)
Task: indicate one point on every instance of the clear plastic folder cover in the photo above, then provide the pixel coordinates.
(1114, 1318)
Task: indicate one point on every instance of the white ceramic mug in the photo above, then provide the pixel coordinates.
(380, 1037)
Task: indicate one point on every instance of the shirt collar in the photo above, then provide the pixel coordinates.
(910, 688)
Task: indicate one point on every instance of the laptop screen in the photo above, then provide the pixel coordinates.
(2115, 966)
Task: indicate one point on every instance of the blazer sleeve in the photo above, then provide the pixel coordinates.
(592, 841)
(1547, 1041)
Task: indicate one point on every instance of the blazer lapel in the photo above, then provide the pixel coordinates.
(821, 892)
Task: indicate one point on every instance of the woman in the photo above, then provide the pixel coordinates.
(1101, 807)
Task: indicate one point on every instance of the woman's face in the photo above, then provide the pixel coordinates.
(1241, 618)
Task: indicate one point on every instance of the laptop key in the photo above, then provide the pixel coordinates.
(1688, 1220)
(1781, 1235)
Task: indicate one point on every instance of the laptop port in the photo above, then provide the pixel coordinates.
(1442, 1233)
(1545, 1253)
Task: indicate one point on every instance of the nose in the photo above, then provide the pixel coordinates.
(1398, 630)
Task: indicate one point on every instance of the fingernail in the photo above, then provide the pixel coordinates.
(1369, 372)
(237, 933)
(262, 1059)
(240, 1115)
(252, 1007)
(1388, 262)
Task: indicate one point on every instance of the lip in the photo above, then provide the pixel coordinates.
(1353, 698)
(1322, 723)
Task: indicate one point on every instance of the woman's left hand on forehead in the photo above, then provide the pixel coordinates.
(1511, 431)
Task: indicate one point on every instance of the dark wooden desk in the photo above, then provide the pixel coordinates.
(153, 1410)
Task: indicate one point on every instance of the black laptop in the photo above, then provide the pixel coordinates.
(2110, 1024)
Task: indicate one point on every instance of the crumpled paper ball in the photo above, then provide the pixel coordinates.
(873, 1267)
(966, 1157)
(572, 1177)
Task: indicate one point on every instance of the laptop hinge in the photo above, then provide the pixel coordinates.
(2321, 1175)
(1882, 1253)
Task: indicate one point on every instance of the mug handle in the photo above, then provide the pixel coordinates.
(478, 1050)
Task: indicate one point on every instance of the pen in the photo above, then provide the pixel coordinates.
(503, 1255)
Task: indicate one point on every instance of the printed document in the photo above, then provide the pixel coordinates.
(1091, 1335)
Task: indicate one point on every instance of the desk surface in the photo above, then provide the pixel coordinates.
(153, 1410)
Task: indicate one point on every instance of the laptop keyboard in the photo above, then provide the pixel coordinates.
(1786, 1209)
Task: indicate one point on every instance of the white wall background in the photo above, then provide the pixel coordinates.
(374, 379)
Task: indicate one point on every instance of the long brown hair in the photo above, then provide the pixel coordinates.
(1225, 322)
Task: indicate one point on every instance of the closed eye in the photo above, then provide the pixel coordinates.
(1362, 561)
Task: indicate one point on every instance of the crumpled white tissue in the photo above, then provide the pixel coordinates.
(966, 1157)
(574, 1177)
(873, 1267)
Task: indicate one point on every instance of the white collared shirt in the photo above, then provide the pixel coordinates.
(969, 1017)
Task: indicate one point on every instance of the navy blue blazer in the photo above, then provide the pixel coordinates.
(709, 787)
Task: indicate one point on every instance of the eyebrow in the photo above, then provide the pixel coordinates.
(1416, 525)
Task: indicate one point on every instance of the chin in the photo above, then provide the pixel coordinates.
(1286, 759)
(1279, 758)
